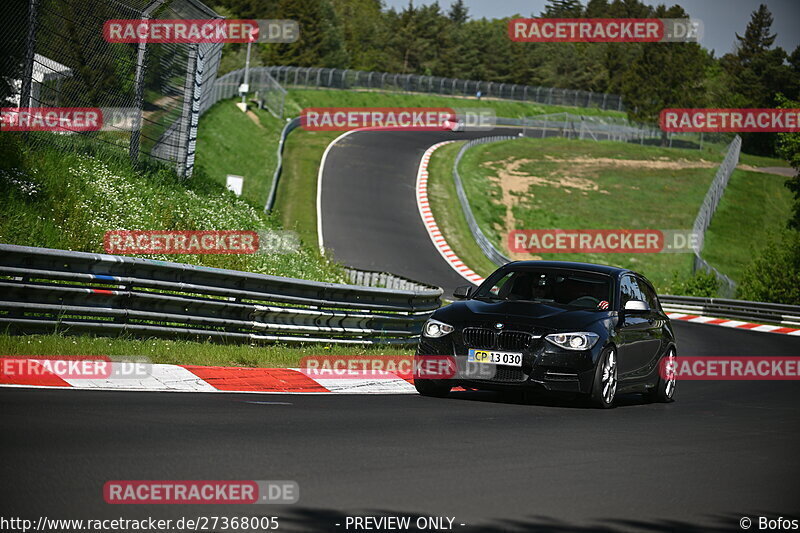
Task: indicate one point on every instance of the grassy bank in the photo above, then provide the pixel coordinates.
(68, 199)
(752, 213)
(231, 142)
(296, 203)
(569, 184)
(181, 352)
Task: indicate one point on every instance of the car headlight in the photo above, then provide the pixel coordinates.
(582, 340)
(435, 329)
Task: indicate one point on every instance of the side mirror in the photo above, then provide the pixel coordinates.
(636, 306)
(463, 292)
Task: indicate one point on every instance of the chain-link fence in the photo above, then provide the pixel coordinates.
(58, 56)
(266, 91)
(706, 213)
(621, 129)
(358, 79)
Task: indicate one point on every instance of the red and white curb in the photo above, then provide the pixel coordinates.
(728, 323)
(430, 224)
(193, 378)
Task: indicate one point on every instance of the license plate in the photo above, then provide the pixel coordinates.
(494, 357)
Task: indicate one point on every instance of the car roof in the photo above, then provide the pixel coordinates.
(572, 265)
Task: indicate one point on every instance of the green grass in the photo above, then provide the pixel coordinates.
(447, 210)
(628, 197)
(297, 99)
(55, 197)
(753, 211)
(182, 352)
(296, 201)
(229, 142)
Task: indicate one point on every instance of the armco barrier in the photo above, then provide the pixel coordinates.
(290, 126)
(43, 290)
(489, 249)
(788, 315)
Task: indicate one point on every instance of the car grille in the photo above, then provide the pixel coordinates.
(490, 339)
(508, 373)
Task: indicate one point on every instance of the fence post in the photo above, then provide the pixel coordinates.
(30, 46)
(141, 57)
(186, 113)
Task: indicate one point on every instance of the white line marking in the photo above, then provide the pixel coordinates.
(320, 240)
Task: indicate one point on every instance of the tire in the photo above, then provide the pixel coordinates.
(664, 391)
(432, 387)
(604, 386)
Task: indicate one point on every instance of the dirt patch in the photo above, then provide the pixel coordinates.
(661, 163)
(777, 171)
(515, 184)
(254, 118)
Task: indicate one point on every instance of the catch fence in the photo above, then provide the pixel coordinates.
(357, 79)
(58, 57)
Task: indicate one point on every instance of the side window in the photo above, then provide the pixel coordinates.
(649, 295)
(629, 290)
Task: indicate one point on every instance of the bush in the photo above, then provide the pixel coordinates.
(701, 284)
(774, 275)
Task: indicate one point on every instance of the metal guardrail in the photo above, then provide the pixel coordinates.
(488, 248)
(45, 290)
(387, 280)
(788, 315)
(273, 190)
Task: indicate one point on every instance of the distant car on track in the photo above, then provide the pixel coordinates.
(454, 125)
(559, 326)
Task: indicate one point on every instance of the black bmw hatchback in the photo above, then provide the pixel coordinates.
(574, 327)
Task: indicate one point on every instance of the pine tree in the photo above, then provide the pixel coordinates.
(321, 42)
(664, 75)
(563, 9)
(458, 12)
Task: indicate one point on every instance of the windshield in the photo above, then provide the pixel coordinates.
(574, 289)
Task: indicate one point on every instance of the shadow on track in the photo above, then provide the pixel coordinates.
(319, 520)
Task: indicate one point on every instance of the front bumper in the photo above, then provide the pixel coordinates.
(544, 366)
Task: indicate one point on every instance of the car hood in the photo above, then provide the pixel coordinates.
(540, 315)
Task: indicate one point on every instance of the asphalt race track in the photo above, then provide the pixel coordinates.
(369, 211)
(722, 451)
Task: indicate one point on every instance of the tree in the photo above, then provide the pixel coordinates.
(789, 148)
(458, 12)
(365, 33)
(759, 72)
(664, 75)
(321, 42)
(563, 9)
